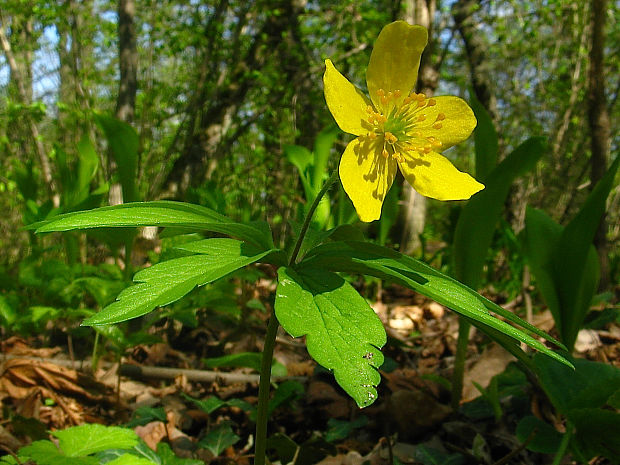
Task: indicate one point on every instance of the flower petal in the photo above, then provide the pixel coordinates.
(345, 101)
(366, 176)
(395, 59)
(458, 123)
(433, 175)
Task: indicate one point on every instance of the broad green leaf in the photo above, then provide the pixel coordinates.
(389, 213)
(245, 359)
(430, 456)
(541, 236)
(342, 332)
(123, 143)
(544, 438)
(589, 385)
(8, 316)
(485, 138)
(374, 260)
(130, 459)
(597, 433)
(479, 217)
(46, 453)
(299, 156)
(168, 458)
(219, 438)
(572, 255)
(91, 438)
(162, 213)
(168, 281)
(322, 148)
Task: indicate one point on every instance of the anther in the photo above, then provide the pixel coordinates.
(437, 125)
(372, 135)
(370, 109)
(440, 117)
(431, 102)
(421, 117)
(380, 92)
(397, 93)
(385, 153)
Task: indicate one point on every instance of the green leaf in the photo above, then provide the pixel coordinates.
(597, 433)
(342, 429)
(219, 438)
(574, 281)
(91, 438)
(130, 459)
(485, 138)
(342, 332)
(478, 219)
(162, 213)
(168, 458)
(243, 359)
(168, 281)
(46, 453)
(546, 439)
(374, 260)
(429, 456)
(123, 143)
(322, 148)
(589, 385)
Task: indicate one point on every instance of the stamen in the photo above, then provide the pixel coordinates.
(380, 92)
(397, 93)
(431, 102)
(437, 125)
(370, 109)
(372, 135)
(385, 153)
(421, 118)
(440, 117)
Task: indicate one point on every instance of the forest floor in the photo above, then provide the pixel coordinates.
(44, 388)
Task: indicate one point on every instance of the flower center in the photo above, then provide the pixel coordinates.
(405, 125)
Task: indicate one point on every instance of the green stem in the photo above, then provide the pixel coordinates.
(559, 455)
(262, 413)
(95, 353)
(304, 227)
(459, 362)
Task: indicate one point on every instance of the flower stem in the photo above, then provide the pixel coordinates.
(459, 362)
(262, 413)
(304, 228)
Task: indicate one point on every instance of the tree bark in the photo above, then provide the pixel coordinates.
(419, 12)
(598, 118)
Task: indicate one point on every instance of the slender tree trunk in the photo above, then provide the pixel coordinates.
(475, 48)
(599, 122)
(419, 12)
(25, 96)
(128, 84)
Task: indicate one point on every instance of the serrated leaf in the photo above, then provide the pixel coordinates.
(342, 332)
(91, 438)
(219, 439)
(374, 260)
(162, 213)
(168, 281)
(46, 453)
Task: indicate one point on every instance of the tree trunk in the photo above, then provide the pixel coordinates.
(475, 48)
(599, 123)
(419, 12)
(128, 84)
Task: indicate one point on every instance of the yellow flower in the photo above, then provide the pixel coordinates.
(397, 128)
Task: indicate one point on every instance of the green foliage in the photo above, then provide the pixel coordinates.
(369, 259)
(245, 359)
(219, 438)
(168, 281)
(563, 260)
(585, 396)
(479, 217)
(342, 332)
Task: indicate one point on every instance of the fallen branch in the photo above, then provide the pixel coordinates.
(139, 372)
